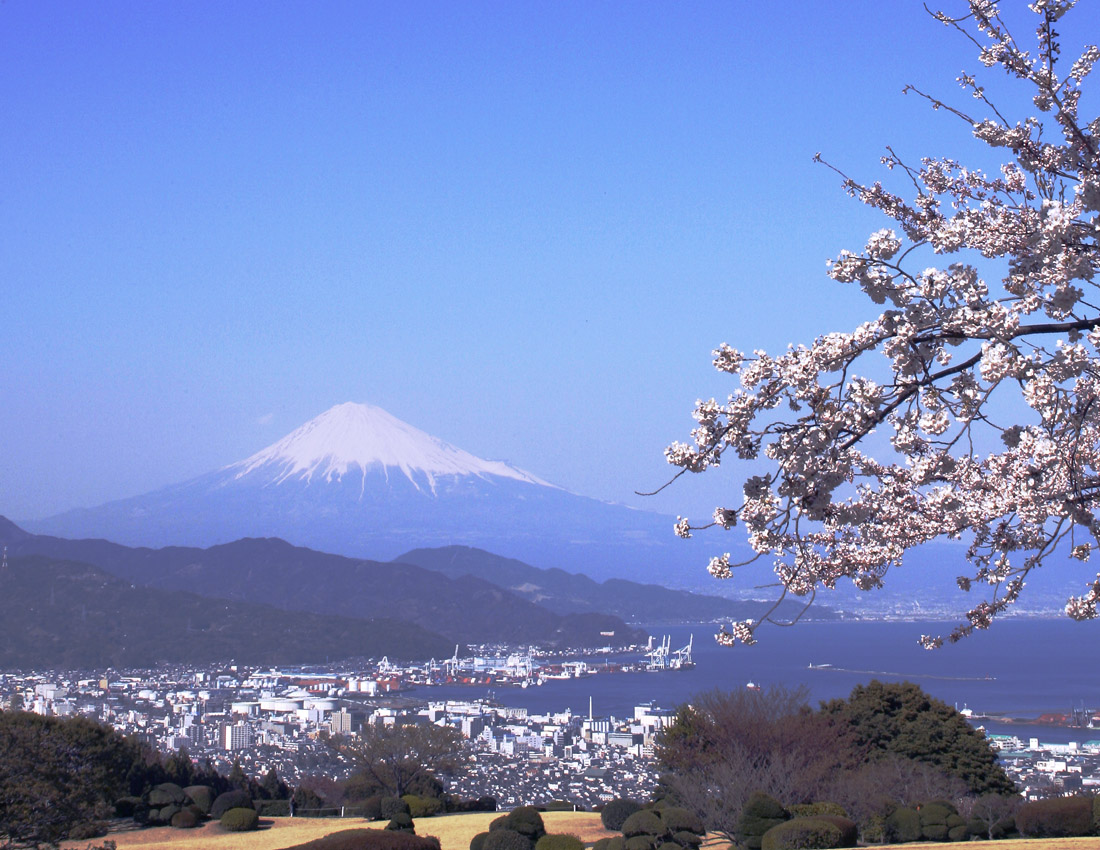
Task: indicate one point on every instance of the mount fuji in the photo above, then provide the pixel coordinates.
(357, 481)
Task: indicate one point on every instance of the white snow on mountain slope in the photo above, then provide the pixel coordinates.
(358, 437)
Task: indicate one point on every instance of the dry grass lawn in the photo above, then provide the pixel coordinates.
(453, 831)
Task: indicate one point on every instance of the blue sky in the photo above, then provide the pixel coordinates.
(521, 227)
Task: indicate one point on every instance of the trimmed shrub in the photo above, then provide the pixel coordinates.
(810, 833)
(401, 822)
(391, 806)
(903, 826)
(235, 799)
(761, 813)
(563, 806)
(616, 812)
(498, 823)
(166, 794)
(527, 822)
(240, 819)
(478, 841)
(615, 842)
(934, 820)
(165, 815)
(202, 796)
(559, 842)
(422, 807)
(643, 822)
(89, 829)
(958, 833)
(1057, 817)
(369, 839)
(639, 842)
(506, 839)
(184, 819)
(809, 810)
(687, 839)
(677, 819)
(849, 832)
(272, 808)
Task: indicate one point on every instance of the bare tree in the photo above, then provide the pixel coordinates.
(991, 809)
(724, 746)
(396, 758)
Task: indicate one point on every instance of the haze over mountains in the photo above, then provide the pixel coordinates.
(359, 482)
(82, 601)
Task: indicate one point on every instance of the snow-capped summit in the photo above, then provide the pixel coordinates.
(353, 438)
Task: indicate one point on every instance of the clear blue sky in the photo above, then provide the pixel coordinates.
(520, 226)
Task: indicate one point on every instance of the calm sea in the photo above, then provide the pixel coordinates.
(1019, 668)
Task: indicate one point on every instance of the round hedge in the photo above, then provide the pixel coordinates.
(240, 820)
(202, 796)
(802, 834)
(390, 806)
(506, 839)
(903, 826)
(166, 794)
(559, 842)
(677, 819)
(478, 841)
(643, 822)
(640, 842)
(184, 819)
(401, 822)
(527, 821)
(616, 812)
(235, 799)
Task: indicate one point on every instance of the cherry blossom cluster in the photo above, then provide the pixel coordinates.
(946, 345)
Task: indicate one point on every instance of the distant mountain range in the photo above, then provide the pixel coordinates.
(566, 593)
(454, 595)
(272, 572)
(67, 615)
(359, 482)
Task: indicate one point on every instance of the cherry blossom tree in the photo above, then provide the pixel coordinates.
(983, 394)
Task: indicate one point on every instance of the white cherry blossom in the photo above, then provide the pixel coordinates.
(953, 341)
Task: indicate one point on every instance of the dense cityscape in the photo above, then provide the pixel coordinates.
(265, 719)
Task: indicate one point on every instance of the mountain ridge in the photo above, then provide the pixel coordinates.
(273, 572)
(61, 613)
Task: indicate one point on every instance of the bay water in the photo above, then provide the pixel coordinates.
(1020, 668)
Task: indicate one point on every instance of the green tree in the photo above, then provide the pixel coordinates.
(900, 719)
(272, 787)
(399, 760)
(57, 773)
(237, 777)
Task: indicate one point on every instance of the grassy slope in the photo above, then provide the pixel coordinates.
(453, 831)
